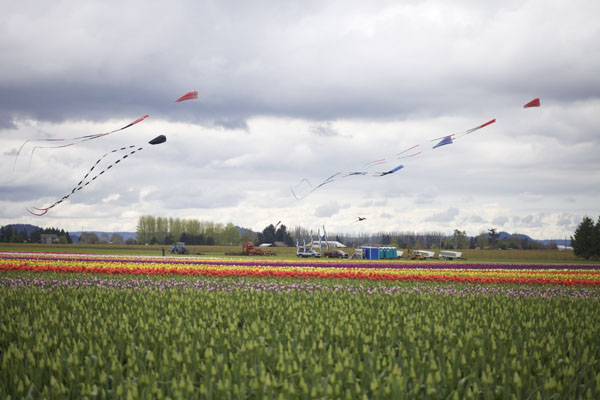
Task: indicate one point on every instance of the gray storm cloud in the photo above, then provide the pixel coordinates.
(303, 89)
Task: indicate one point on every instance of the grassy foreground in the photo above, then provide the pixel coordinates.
(218, 335)
(85, 337)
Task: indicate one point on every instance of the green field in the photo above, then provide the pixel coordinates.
(77, 335)
(474, 256)
(167, 342)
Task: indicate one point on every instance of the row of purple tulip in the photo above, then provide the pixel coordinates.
(50, 283)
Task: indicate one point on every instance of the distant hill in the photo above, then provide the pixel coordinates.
(126, 235)
(561, 242)
(546, 242)
(22, 227)
(505, 235)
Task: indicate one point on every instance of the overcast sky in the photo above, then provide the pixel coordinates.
(304, 89)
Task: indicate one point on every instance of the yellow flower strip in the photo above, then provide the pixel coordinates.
(382, 273)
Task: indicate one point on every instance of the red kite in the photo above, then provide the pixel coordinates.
(188, 96)
(533, 103)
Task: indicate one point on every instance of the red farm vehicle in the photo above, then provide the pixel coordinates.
(248, 249)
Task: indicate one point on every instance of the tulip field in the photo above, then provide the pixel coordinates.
(91, 326)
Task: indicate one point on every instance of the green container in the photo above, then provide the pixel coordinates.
(388, 252)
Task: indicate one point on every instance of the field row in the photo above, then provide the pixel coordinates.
(82, 326)
(53, 282)
(282, 263)
(289, 253)
(451, 272)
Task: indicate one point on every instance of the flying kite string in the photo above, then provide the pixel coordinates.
(414, 151)
(338, 175)
(83, 182)
(72, 141)
(76, 140)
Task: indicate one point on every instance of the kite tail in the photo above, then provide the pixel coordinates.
(44, 211)
(375, 162)
(73, 141)
(410, 148)
(410, 155)
(83, 183)
(294, 193)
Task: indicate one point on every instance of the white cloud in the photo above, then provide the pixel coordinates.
(530, 197)
(293, 90)
(500, 221)
(445, 216)
(327, 210)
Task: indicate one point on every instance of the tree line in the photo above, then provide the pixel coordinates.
(104, 238)
(163, 230)
(427, 240)
(271, 234)
(10, 234)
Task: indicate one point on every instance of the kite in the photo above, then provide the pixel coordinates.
(457, 135)
(188, 96)
(71, 141)
(158, 140)
(412, 151)
(359, 219)
(446, 140)
(533, 103)
(126, 151)
(391, 171)
(339, 175)
(418, 149)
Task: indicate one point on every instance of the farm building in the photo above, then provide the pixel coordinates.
(49, 238)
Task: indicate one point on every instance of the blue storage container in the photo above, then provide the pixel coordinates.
(371, 253)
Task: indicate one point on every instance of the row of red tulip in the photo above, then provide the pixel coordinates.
(303, 273)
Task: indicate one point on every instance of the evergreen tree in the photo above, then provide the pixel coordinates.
(583, 239)
(267, 235)
(596, 239)
(36, 236)
(494, 236)
(282, 235)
